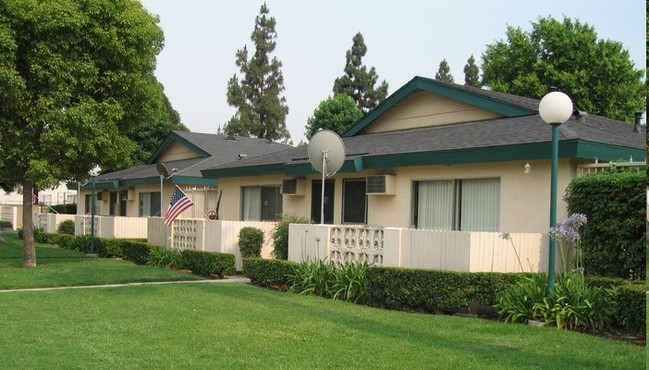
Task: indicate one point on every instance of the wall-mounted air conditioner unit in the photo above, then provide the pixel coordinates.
(293, 187)
(130, 195)
(380, 185)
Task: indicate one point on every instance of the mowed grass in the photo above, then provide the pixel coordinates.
(235, 326)
(60, 267)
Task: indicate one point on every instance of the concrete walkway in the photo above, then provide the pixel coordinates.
(233, 279)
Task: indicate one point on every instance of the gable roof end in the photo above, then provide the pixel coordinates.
(476, 97)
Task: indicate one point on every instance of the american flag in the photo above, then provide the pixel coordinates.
(179, 203)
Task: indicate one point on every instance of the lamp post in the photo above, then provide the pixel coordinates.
(93, 176)
(555, 108)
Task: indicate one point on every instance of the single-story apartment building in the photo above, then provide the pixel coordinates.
(431, 156)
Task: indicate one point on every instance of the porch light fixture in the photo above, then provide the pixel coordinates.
(555, 109)
(527, 169)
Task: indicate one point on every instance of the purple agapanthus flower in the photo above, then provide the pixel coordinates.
(568, 229)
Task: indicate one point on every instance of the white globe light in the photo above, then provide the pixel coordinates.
(555, 108)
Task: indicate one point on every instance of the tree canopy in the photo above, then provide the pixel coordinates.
(261, 109)
(472, 73)
(444, 72)
(358, 82)
(77, 83)
(598, 74)
(336, 113)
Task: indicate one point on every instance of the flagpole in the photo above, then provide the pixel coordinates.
(195, 205)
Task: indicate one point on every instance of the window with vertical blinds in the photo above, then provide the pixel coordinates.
(261, 203)
(468, 205)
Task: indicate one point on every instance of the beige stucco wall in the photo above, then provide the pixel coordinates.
(421, 109)
(524, 197)
(176, 151)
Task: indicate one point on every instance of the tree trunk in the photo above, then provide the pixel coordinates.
(29, 251)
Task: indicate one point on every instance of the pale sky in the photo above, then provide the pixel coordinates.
(404, 39)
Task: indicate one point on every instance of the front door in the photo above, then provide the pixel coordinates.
(316, 196)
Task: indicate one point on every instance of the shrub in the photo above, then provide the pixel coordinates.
(208, 263)
(350, 283)
(165, 257)
(5, 224)
(614, 238)
(251, 239)
(516, 303)
(313, 277)
(630, 309)
(66, 227)
(137, 252)
(65, 240)
(280, 234)
(266, 272)
(66, 209)
(574, 305)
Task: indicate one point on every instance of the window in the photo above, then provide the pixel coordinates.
(261, 203)
(149, 204)
(354, 201)
(468, 205)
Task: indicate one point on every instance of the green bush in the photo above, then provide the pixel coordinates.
(65, 240)
(137, 252)
(208, 263)
(251, 240)
(66, 227)
(614, 239)
(5, 224)
(165, 257)
(268, 272)
(280, 234)
(574, 305)
(517, 303)
(347, 282)
(631, 308)
(66, 209)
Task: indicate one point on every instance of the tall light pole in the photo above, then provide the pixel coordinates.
(93, 177)
(555, 109)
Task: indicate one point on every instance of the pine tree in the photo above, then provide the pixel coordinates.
(472, 73)
(444, 72)
(358, 82)
(261, 109)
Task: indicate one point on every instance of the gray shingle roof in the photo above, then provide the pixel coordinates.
(220, 149)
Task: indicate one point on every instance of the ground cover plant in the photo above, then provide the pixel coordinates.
(235, 326)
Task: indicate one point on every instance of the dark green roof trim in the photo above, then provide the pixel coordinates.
(608, 152)
(175, 137)
(179, 180)
(435, 87)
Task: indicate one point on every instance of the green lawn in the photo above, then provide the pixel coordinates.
(235, 326)
(60, 267)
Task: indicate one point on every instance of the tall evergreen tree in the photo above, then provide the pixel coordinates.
(444, 72)
(472, 73)
(261, 109)
(358, 82)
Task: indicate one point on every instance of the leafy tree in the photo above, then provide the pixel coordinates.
(336, 114)
(76, 78)
(261, 110)
(598, 74)
(444, 72)
(472, 73)
(358, 82)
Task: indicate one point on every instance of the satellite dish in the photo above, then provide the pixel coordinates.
(327, 155)
(326, 152)
(162, 170)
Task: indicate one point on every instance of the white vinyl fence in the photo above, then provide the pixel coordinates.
(207, 235)
(13, 214)
(426, 249)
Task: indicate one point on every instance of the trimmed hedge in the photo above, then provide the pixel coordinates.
(614, 239)
(631, 308)
(208, 263)
(266, 272)
(137, 252)
(5, 224)
(251, 239)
